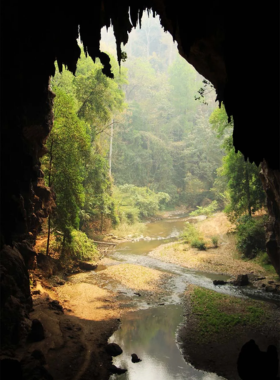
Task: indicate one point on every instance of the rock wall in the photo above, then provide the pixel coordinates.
(271, 183)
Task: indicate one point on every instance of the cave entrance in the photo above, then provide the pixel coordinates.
(159, 147)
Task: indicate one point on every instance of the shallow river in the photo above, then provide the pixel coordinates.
(150, 332)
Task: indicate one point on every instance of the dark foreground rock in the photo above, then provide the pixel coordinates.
(37, 331)
(255, 364)
(10, 369)
(33, 367)
(55, 305)
(113, 369)
(242, 280)
(135, 359)
(219, 282)
(86, 266)
(113, 349)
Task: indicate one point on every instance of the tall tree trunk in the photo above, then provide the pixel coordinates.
(49, 233)
(247, 185)
(101, 223)
(49, 218)
(111, 147)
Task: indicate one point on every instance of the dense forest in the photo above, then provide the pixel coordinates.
(122, 149)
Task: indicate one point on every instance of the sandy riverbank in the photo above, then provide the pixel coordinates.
(77, 329)
(224, 259)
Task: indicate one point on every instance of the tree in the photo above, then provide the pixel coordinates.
(68, 148)
(244, 184)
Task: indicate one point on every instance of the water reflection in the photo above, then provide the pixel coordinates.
(151, 335)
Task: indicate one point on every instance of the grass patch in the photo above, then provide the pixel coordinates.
(132, 230)
(218, 313)
(263, 260)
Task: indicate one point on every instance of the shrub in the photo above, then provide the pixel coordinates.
(215, 241)
(82, 247)
(250, 235)
(190, 233)
(208, 210)
(199, 244)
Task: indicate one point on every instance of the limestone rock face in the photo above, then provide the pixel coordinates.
(16, 300)
(271, 183)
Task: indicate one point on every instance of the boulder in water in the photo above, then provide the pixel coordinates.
(113, 349)
(135, 359)
(219, 282)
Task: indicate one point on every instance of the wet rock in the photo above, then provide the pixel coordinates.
(259, 278)
(269, 288)
(219, 282)
(86, 266)
(37, 331)
(135, 359)
(113, 349)
(270, 282)
(242, 280)
(113, 369)
(55, 305)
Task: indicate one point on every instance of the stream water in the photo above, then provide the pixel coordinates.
(150, 332)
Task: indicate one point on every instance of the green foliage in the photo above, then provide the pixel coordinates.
(244, 186)
(215, 241)
(199, 244)
(208, 210)
(76, 166)
(165, 141)
(192, 236)
(190, 233)
(138, 202)
(82, 247)
(68, 148)
(250, 235)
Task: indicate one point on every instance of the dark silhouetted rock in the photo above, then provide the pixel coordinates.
(219, 282)
(16, 301)
(113, 349)
(33, 367)
(138, 294)
(253, 364)
(135, 359)
(10, 369)
(87, 266)
(242, 280)
(28, 254)
(113, 369)
(37, 331)
(38, 355)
